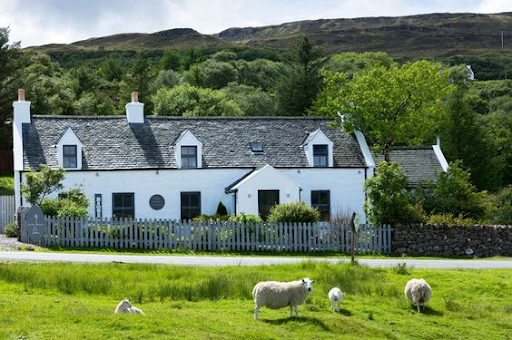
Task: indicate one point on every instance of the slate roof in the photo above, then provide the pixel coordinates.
(419, 163)
(110, 143)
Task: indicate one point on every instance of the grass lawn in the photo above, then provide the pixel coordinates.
(76, 301)
(6, 185)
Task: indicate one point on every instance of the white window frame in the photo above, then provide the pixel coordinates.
(187, 138)
(69, 138)
(318, 138)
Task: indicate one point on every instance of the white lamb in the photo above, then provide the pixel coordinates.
(275, 295)
(335, 295)
(418, 291)
(126, 307)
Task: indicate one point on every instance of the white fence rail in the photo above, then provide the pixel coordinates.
(214, 236)
(7, 211)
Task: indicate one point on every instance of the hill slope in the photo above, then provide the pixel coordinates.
(175, 38)
(409, 36)
(428, 35)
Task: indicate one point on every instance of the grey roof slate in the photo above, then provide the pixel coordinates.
(419, 163)
(110, 143)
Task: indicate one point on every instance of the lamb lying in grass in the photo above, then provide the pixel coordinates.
(335, 295)
(126, 307)
(418, 291)
(275, 295)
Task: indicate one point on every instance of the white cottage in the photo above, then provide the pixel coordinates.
(179, 167)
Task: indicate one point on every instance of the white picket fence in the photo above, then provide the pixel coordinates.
(7, 211)
(214, 236)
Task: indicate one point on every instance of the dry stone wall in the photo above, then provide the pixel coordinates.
(442, 240)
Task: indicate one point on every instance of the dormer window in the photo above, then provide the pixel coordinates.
(189, 156)
(320, 156)
(69, 151)
(319, 150)
(69, 155)
(188, 151)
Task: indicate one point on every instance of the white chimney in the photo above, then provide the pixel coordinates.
(135, 110)
(21, 116)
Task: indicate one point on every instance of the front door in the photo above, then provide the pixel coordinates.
(266, 200)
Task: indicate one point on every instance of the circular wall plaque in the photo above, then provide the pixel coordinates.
(157, 202)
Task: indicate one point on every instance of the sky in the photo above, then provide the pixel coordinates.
(39, 22)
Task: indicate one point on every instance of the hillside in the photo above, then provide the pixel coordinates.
(408, 36)
(428, 35)
(175, 38)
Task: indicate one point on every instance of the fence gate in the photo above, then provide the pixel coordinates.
(7, 211)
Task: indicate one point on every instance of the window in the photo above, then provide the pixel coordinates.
(189, 156)
(123, 205)
(190, 205)
(266, 200)
(321, 199)
(256, 147)
(320, 154)
(69, 156)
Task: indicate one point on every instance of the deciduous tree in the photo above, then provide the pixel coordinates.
(399, 104)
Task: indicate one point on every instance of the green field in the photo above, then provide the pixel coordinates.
(77, 301)
(6, 185)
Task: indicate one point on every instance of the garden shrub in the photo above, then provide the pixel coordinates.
(70, 203)
(244, 218)
(453, 194)
(210, 218)
(451, 220)
(221, 210)
(293, 212)
(503, 204)
(388, 199)
(11, 230)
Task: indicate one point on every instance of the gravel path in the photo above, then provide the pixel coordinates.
(10, 243)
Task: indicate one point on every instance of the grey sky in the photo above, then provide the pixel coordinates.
(37, 22)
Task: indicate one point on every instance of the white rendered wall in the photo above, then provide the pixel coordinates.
(345, 186)
(167, 183)
(271, 179)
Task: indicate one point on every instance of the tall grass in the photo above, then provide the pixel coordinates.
(161, 283)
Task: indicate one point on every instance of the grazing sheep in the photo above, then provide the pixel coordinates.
(126, 307)
(275, 295)
(334, 295)
(418, 291)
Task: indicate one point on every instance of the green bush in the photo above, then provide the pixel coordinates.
(210, 218)
(388, 198)
(453, 194)
(50, 207)
(221, 210)
(71, 203)
(293, 212)
(243, 218)
(69, 208)
(503, 204)
(449, 219)
(11, 230)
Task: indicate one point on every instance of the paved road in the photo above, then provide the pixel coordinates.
(214, 261)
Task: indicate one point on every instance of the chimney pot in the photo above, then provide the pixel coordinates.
(21, 95)
(135, 97)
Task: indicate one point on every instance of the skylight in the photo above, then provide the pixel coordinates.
(256, 147)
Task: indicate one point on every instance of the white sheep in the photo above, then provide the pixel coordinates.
(335, 295)
(126, 307)
(275, 295)
(418, 291)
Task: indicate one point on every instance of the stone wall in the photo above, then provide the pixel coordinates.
(441, 240)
